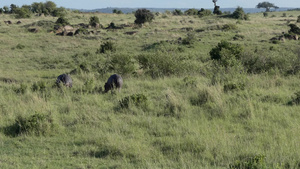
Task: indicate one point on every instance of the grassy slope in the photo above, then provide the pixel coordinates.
(91, 129)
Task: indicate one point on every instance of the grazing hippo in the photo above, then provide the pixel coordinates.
(65, 79)
(114, 81)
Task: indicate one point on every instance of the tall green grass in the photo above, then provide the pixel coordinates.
(193, 112)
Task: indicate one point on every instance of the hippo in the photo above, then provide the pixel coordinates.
(65, 79)
(114, 81)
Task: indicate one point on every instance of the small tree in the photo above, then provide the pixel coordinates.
(191, 12)
(94, 21)
(22, 12)
(240, 14)
(62, 21)
(204, 12)
(266, 5)
(177, 12)
(143, 15)
(226, 53)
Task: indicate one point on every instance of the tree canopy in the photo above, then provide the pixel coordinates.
(266, 5)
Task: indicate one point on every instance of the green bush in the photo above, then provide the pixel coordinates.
(226, 53)
(217, 10)
(191, 12)
(229, 26)
(142, 16)
(162, 64)
(62, 21)
(122, 63)
(266, 14)
(23, 13)
(295, 99)
(139, 100)
(204, 12)
(177, 12)
(240, 14)
(107, 46)
(189, 40)
(37, 124)
(298, 19)
(94, 21)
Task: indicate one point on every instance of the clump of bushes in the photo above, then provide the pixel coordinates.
(229, 26)
(139, 100)
(177, 12)
(204, 12)
(226, 53)
(36, 124)
(191, 12)
(240, 14)
(295, 99)
(94, 21)
(294, 29)
(163, 64)
(107, 46)
(62, 21)
(143, 15)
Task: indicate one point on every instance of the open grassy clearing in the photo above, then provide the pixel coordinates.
(196, 115)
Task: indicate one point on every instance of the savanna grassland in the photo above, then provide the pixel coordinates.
(178, 108)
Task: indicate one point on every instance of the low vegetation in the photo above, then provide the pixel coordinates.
(200, 90)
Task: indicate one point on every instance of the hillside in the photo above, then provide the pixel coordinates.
(178, 108)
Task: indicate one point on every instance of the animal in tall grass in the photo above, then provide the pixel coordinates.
(114, 81)
(65, 79)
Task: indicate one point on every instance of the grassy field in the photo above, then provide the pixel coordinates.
(192, 112)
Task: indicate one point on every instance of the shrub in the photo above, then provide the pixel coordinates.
(298, 19)
(189, 40)
(37, 124)
(204, 12)
(163, 64)
(294, 29)
(142, 16)
(122, 63)
(107, 46)
(226, 53)
(94, 21)
(191, 12)
(229, 26)
(266, 14)
(81, 31)
(139, 100)
(62, 21)
(22, 13)
(177, 12)
(295, 99)
(240, 14)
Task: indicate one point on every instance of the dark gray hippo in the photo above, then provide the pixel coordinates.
(65, 79)
(114, 81)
